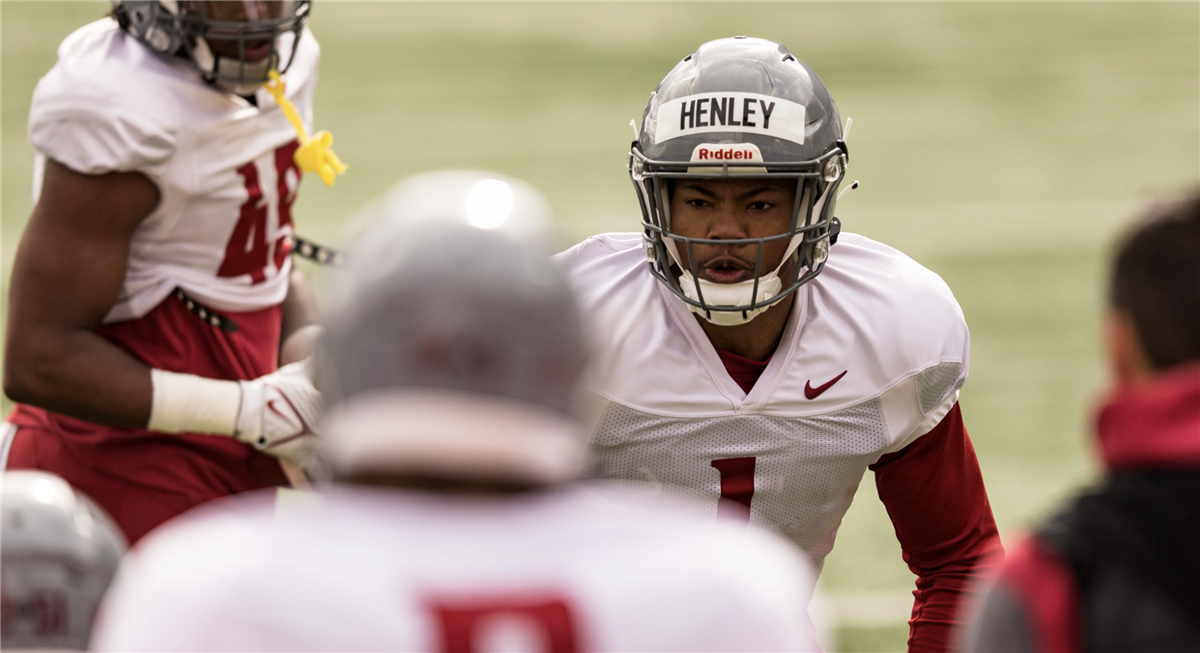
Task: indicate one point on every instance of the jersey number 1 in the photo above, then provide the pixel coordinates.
(465, 625)
(248, 251)
(737, 487)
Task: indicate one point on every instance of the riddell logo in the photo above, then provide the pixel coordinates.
(732, 153)
(718, 153)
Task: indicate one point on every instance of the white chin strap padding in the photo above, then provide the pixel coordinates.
(729, 295)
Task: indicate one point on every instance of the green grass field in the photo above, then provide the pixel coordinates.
(1003, 145)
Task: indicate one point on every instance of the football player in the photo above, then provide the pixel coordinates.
(451, 365)
(58, 553)
(152, 289)
(1119, 570)
(752, 350)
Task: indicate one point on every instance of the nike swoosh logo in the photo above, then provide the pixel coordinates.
(304, 429)
(813, 393)
(273, 409)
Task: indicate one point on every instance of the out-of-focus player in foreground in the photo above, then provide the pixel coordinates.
(1120, 569)
(451, 364)
(150, 293)
(759, 362)
(58, 553)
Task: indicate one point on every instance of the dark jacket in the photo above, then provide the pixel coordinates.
(1119, 570)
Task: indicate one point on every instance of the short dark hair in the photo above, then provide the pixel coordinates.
(1156, 281)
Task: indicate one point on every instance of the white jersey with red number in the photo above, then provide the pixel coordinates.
(575, 569)
(223, 166)
(873, 356)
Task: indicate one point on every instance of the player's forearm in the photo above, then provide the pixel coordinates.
(933, 491)
(299, 344)
(79, 374)
(67, 273)
(299, 331)
(938, 601)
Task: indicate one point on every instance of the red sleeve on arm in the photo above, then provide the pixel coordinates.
(933, 491)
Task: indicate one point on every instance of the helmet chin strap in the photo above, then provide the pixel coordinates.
(223, 70)
(717, 295)
(227, 68)
(214, 67)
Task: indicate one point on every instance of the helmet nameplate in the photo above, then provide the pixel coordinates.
(751, 113)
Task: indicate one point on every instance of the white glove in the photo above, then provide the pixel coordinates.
(278, 412)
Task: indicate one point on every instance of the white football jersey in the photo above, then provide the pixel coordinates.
(575, 569)
(873, 356)
(223, 166)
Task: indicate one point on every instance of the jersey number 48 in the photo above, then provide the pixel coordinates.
(249, 250)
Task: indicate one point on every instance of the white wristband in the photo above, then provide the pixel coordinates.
(186, 403)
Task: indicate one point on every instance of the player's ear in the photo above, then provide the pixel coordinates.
(1126, 356)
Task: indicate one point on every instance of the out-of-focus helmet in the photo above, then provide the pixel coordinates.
(232, 44)
(453, 346)
(58, 553)
(739, 108)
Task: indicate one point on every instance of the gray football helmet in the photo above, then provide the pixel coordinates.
(739, 107)
(58, 553)
(454, 346)
(232, 44)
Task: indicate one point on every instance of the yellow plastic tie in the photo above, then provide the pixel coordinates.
(315, 154)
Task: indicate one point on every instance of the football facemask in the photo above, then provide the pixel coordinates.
(739, 108)
(232, 44)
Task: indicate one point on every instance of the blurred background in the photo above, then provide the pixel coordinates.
(1003, 145)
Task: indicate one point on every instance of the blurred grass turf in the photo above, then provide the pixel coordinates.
(1000, 144)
